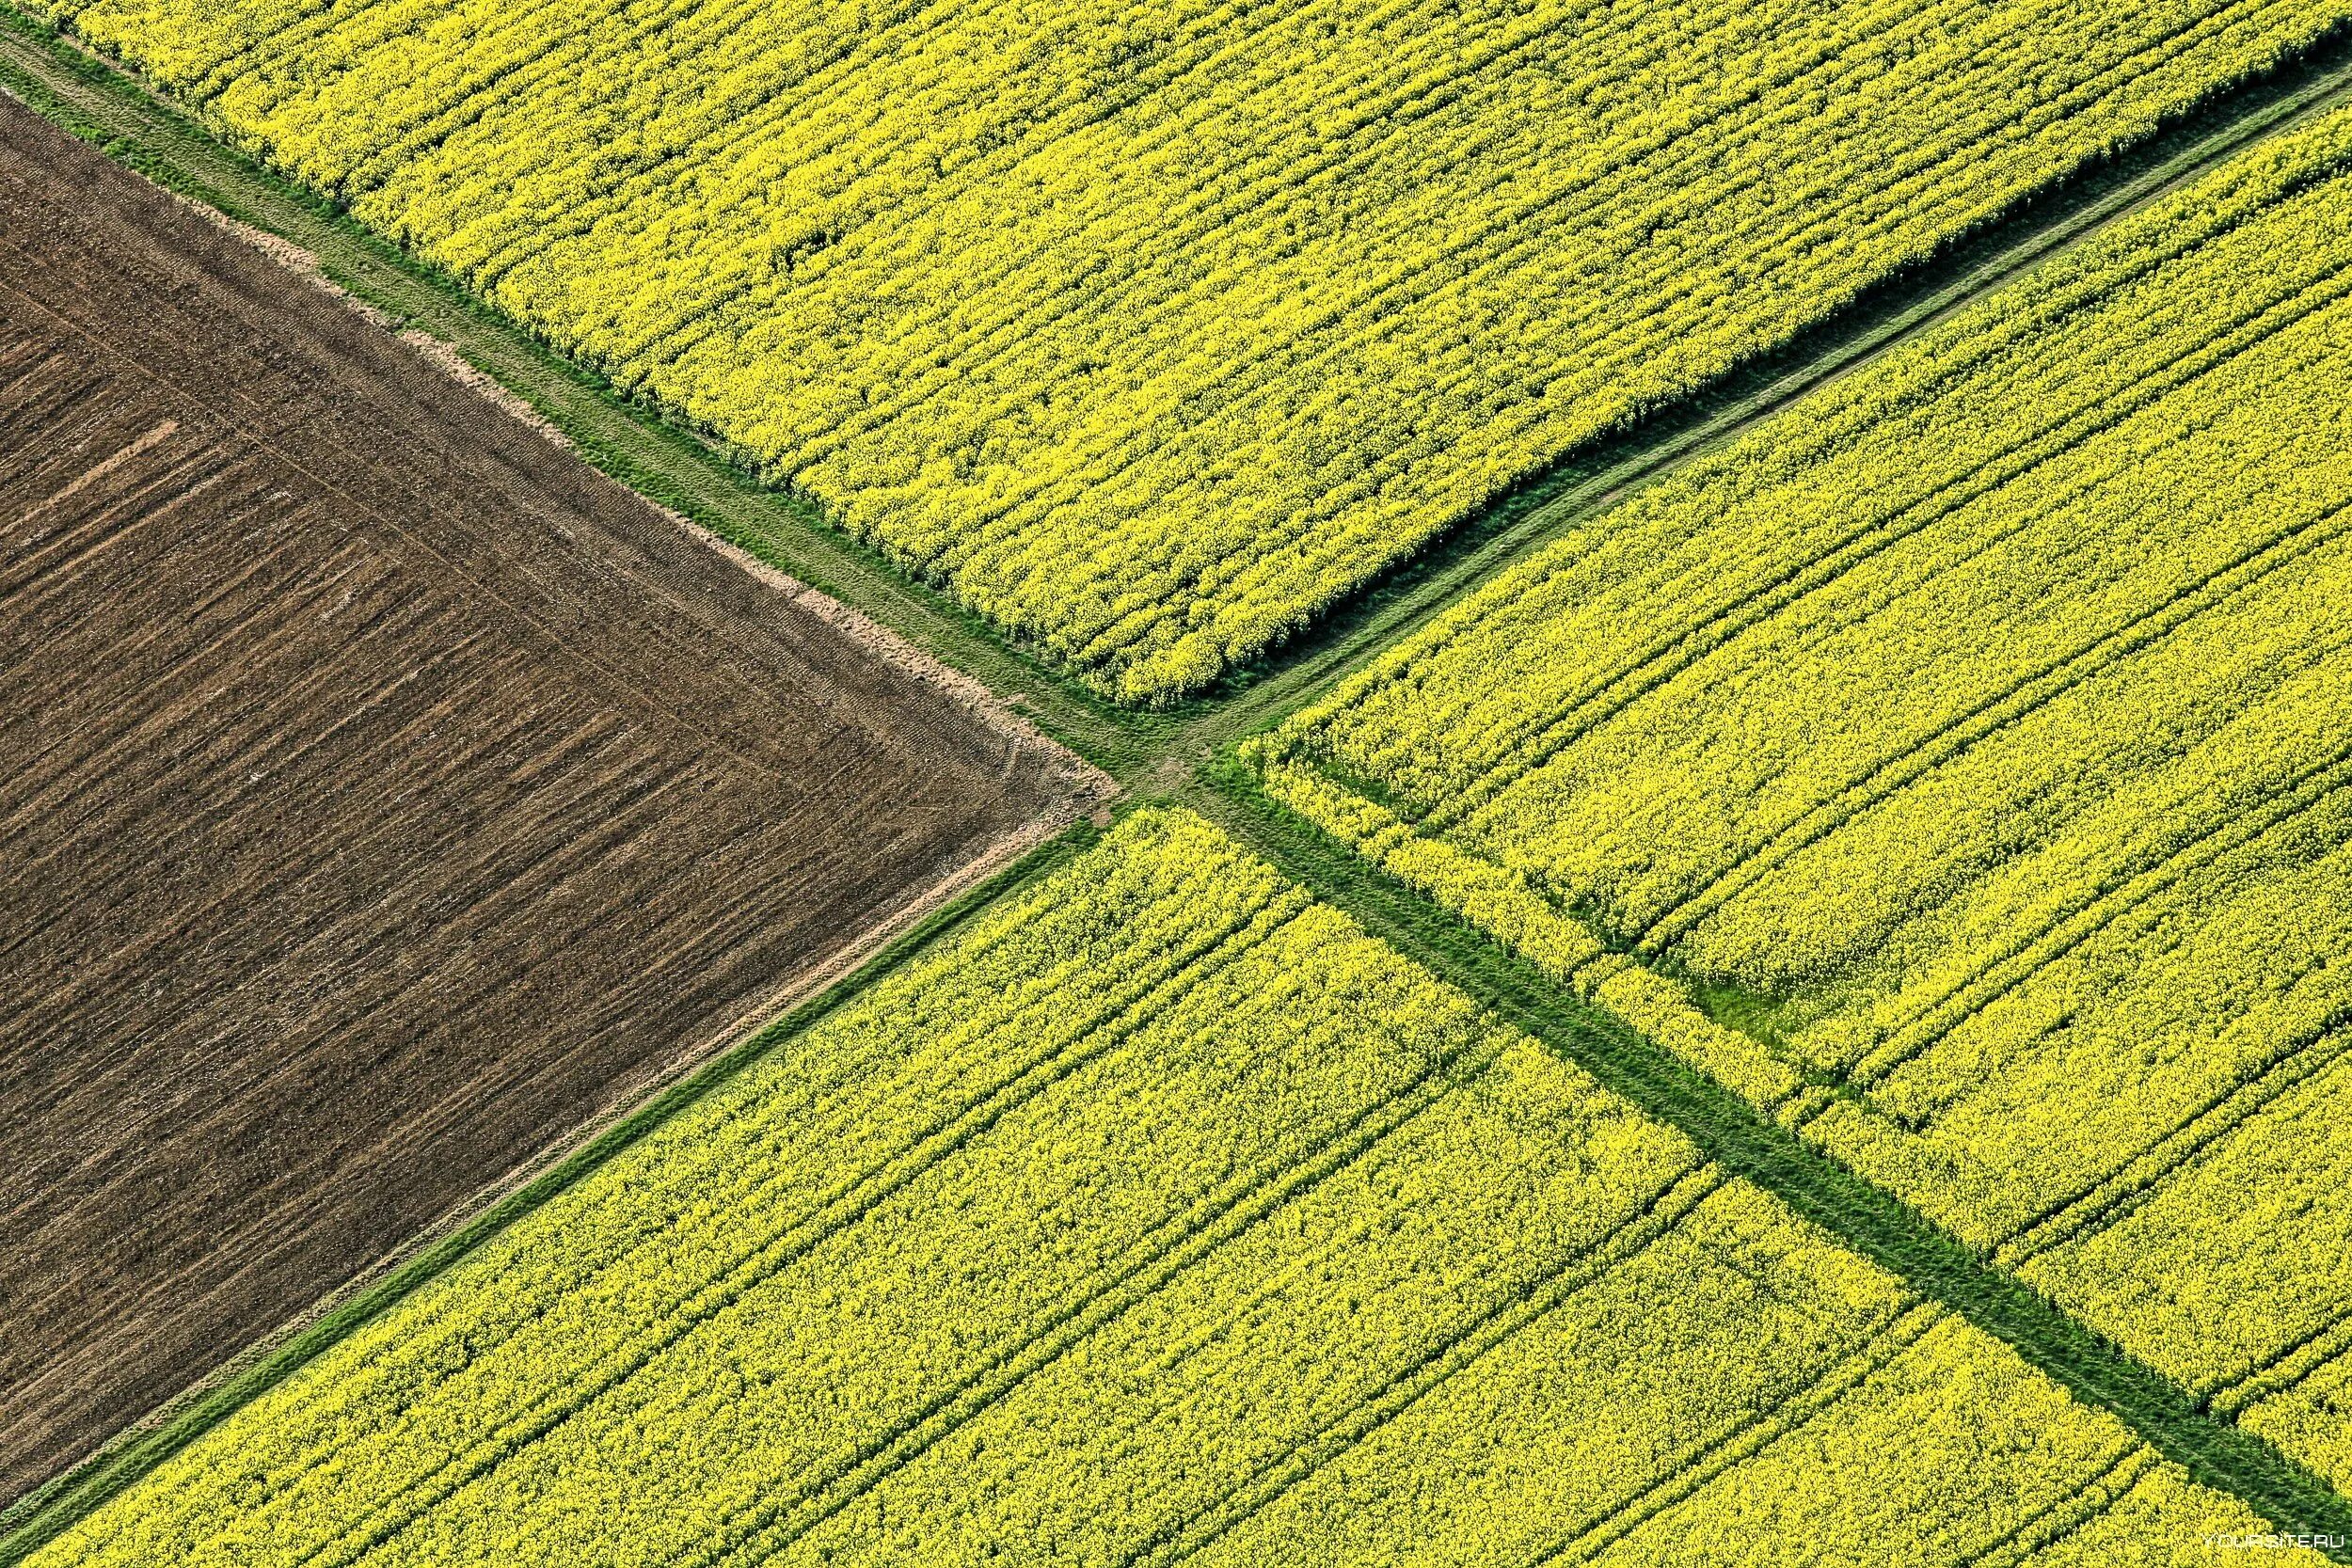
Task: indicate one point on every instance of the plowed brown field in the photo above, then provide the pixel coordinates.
(384, 796)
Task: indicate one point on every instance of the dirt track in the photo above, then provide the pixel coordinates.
(386, 796)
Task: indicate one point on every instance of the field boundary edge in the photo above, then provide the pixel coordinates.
(631, 441)
(1157, 749)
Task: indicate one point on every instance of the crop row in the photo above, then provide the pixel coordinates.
(1961, 768)
(1161, 1214)
(1151, 335)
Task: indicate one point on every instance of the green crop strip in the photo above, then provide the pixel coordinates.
(1697, 803)
(1443, 1289)
(1732, 1132)
(1154, 751)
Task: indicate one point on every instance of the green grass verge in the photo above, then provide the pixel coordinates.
(2215, 1451)
(41, 1515)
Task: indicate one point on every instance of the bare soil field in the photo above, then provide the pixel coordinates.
(386, 796)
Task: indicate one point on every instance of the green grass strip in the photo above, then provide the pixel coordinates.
(41, 1515)
(2217, 1452)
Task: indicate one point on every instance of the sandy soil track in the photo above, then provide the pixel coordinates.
(385, 796)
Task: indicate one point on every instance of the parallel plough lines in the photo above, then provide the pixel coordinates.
(1441, 1336)
(1647, 185)
(2111, 1198)
(2284, 1371)
(2066, 927)
(1348, 1180)
(1059, 1040)
(392, 606)
(1819, 1394)
(1386, 118)
(1994, 712)
(2066, 1514)
(2092, 768)
(1062, 1045)
(2070, 928)
(687, 324)
(1994, 1303)
(421, 553)
(1522, 739)
(1133, 1265)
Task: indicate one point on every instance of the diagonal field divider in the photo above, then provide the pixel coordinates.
(1680, 647)
(1931, 1260)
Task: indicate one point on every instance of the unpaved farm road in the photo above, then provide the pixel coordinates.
(385, 797)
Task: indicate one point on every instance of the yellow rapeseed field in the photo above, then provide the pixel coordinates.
(1961, 767)
(1150, 331)
(1159, 1213)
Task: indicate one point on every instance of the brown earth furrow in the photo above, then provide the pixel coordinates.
(390, 797)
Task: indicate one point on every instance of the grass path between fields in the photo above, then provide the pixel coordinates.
(2215, 1451)
(1185, 752)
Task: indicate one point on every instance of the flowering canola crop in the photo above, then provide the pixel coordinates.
(1150, 331)
(1160, 1213)
(1961, 767)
